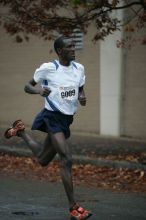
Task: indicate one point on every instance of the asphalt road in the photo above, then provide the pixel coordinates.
(25, 199)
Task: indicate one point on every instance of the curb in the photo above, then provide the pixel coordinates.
(79, 159)
(109, 163)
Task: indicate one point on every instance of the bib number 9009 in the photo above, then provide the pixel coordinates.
(67, 94)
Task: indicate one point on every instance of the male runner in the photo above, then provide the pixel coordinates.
(62, 83)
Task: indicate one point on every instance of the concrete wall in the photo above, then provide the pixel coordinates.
(110, 83)
(18, 63)
(123, 87)
(134, 102)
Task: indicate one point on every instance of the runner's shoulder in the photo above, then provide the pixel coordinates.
(79, 66)
(47, 66)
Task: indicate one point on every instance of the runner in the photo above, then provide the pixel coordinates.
(62, 83)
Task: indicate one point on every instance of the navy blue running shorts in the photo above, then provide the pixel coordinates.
(51, 121)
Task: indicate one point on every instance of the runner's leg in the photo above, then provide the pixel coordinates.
(48, 152)
(62, 149)
(44, 152)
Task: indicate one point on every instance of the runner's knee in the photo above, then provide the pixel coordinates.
(66, 161)
(43, 163)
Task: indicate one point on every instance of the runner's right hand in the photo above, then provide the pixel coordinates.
(45, 92)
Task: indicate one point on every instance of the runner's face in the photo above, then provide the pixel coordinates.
(68, 51)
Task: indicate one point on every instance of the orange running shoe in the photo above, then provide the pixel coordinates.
(79, 213)
(13, 131)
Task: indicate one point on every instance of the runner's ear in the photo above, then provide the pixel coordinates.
(58, 51)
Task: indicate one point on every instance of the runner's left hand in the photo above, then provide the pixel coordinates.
(82, 100)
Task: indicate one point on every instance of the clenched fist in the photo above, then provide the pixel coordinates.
(82, 100)
(45, 92)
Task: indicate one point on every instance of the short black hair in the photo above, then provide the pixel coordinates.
(58, 43)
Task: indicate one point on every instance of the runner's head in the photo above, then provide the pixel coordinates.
(65, 48)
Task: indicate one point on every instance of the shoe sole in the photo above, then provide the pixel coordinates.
(6, 133)
(17, 122)
(14, 126)
(73, 218)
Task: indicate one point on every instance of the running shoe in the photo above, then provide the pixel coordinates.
(79, 213)
(14, 130)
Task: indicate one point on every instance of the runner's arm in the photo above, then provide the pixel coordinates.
(82, 97)
(31, 89)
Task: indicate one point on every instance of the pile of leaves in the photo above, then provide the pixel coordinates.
(89, 175)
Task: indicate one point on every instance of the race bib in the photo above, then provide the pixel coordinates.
(68, 93)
